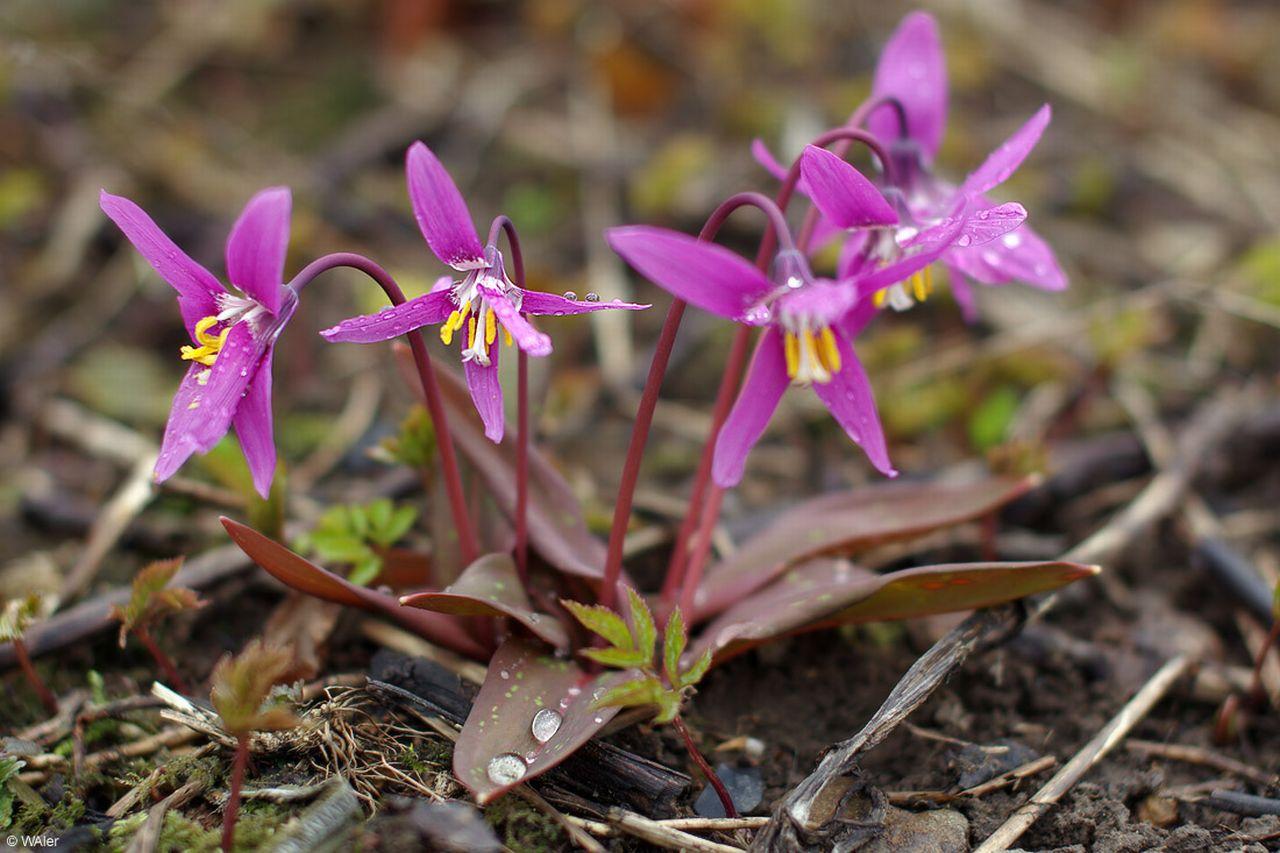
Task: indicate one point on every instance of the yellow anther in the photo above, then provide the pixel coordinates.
(928, 280)
(446, 332)
(917, 287)
(506, 333)
(490, 328)
(829, 352)
(210, 345)
(791, 348)
(880, 296)
(454, 319)
(471, 332)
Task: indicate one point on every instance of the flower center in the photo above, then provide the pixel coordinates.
(478, 318)
(811, 354)
(210, 345)
(899, 296)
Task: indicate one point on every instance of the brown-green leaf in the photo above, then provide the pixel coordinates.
(491, 587)
(833, 592)
(305, 576)
(496, 749)
(847, 522)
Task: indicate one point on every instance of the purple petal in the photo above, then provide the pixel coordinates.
(824, 232)
(197, 287)
(425, 310)
(202, 412)
(542, 303)
(856, 320)
(701, 273)
(848, 397)
(486, 393)
(442, 214)
(765, 158)
(257, 246)
(526, 337)
(925, 248)
(854, 259)
(842, 193)
(1006, 159)
(253, 423)
(1020, 255)
(762, 389)
(962, 292)
(988, 223)
(913, 70)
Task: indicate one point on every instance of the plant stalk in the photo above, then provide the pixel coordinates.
(722, 792)
(162, 660)
(233, 798)
(467, 542)
(1256, 694)
(47, 699)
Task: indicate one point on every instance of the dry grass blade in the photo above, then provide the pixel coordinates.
(1201, 756)
(664, 836)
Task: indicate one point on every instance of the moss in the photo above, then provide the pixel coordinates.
(426, 758)
(46, 820)
(257, 823)
(523, 828)
(186, 768)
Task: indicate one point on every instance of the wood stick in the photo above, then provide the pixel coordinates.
(1092, 752)
(663, 836)
(1200, 755)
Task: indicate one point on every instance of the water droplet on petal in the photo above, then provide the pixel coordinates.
(964, 240)
(504, 675)
(569, 294)
(592, 297)
(545, 725)
(506, 769)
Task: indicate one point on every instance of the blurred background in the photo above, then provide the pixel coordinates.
(1157, 183)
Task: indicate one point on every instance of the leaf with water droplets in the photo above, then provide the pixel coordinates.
(847, 522)
(824, 593)
(491, 587)
(522, 681)
(557, 528)
(305, 576)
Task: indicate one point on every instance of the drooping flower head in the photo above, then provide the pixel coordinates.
(473, 309)
(233, 330)
(911, 74)
(809, 322)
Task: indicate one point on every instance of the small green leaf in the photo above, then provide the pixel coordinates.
(693, 674)
(366, 570)
(379, 514)
(399, 524)
(602, 621)
(674, 640)
(646, 633)
(640, 691)
(668, 706)
(358, 521)
(339, 547)
(618, 658)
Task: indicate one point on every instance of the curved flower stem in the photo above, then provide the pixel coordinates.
(233, 797)
(685, 570)
(653, 385)
(162, 660)
(722, 792)
(467, 542)
(522, 411)
(47, 699)
(859, 116)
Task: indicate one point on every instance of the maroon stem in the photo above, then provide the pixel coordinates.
(162, 660)
(502, 223)
(1256, 694)
(843, 137)
(233, 798)
(653, 384)
(47, 699)
(859, 116)
(467, 542)
(721, 791)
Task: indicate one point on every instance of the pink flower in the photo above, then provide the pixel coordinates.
(809, 322)
(233, 331)
(479, 307)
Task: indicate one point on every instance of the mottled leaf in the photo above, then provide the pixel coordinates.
(497, 748)
(491, 587)
(241, 685)
(847, 522)
(834, 592)
(305, 576)
(557, 529)
(151, 598)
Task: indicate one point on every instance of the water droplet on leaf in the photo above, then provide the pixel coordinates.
(592, 297)
(569, 294)
(545, 725)
(506, 769)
